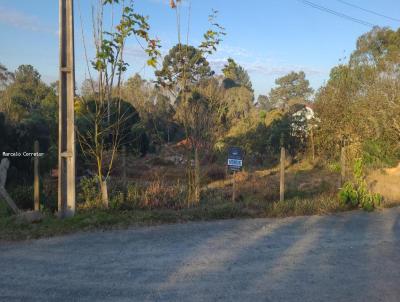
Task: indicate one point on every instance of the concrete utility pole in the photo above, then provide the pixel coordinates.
(36, 187)
(66, 139)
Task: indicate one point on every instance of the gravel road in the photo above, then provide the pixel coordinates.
(353, 256)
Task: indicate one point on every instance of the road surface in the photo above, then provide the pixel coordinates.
(352, 256)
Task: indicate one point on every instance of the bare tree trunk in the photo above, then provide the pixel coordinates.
(312, 145)
(104, 193)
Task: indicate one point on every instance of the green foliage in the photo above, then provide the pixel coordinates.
(213, 36)
(5, 78)
(109, 53)
(264, 103)
(289, 87)
(360, 102)
(89, 194)
(183, 63)
(377, 47)
(22, 195)
(117, 201)
(5, 211)
(334, 167)
(126, 127)
(349, 194)
(155, 110)
(29, 113)
(236, 75)
(357, 193)
(133, 198)
(377, 153)
(262, 114)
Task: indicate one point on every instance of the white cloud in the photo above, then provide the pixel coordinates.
(266, 68)
(235, 51)
(135, 52)
(270, 70)
(18, 19)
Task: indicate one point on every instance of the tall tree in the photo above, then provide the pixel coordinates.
(25, 94)
(5, 77)
(360, 104)
(184, 65)
(264, 103)
(236, 75)
(378, 47)
(289, 87)
(183, 69)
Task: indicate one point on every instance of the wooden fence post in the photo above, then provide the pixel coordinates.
(124, 165)
(282, 178)
(234, 187)
(36, 178)
(342, 165)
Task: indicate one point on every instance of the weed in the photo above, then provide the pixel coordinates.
(357, 194)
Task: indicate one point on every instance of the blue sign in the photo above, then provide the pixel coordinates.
(235, 158)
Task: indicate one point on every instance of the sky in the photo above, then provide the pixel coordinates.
(269, 38)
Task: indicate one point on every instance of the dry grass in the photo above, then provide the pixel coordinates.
(156, 194)
(386, 182)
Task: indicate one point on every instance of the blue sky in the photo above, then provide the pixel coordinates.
(268, 37)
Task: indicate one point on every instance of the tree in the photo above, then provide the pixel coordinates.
(264, 103)
(360, 104)
(103, 140)
(379, 47)
(236, 75)
(5, 77)
(155, 109)
(291, 86)
(25, 94)
(184, 65)
(239, 102)
(184, 68)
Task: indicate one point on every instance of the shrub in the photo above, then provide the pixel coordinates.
(379, 153)
(334, 167)
(216, 173)
(49, 192)
(349, 195)
(158, 161)
(117, 201)
(241, 176)
(357, 194)
(4, 210)
(133, 196)
(159, 195)
(88, 192)
(22, 196)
